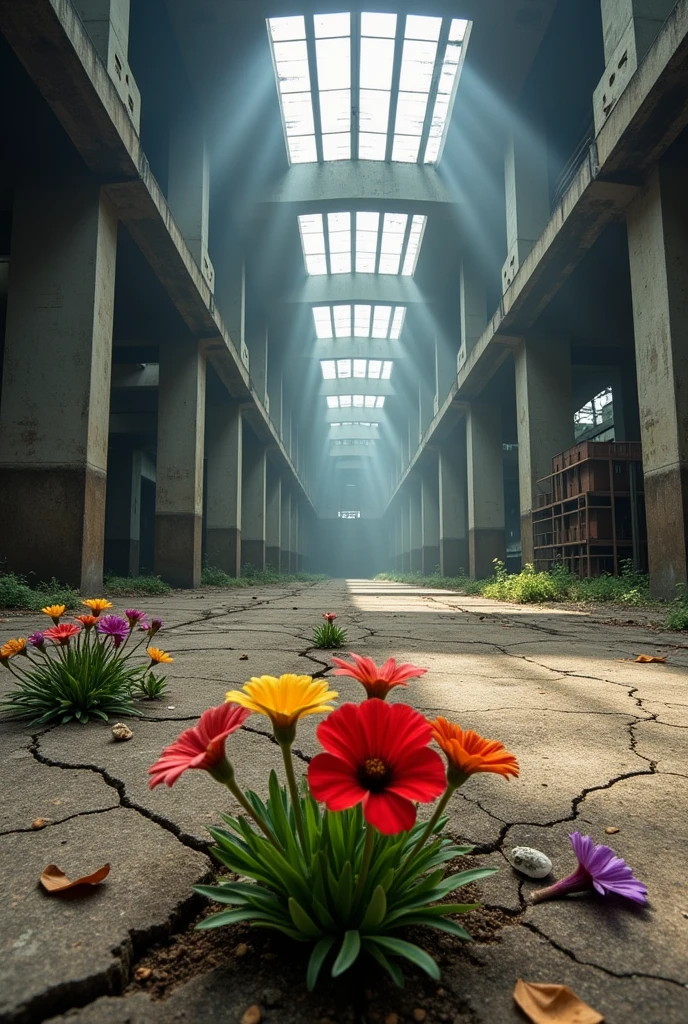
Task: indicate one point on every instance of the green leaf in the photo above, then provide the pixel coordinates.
(350, 948)
(317, 959)
(465, 877)
(376, 910)
(408, 950)
(392, 969)
(226, 917)
(442, 924)
(345, 892)
(302, 920)
(324, 916)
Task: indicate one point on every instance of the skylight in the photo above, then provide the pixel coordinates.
(370, 369)
(369, 243)
(355, 401)
(367, 87)
(359, 320)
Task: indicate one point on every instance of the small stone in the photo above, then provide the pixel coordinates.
(121, 732)
(243, 657)
(419, 1014)
(271, 996)
(392, 1018)
(143, 973)
(252, 1015)
(171, 707)
(611, 831)
(241, 950)
(529, 862)
(38, 823)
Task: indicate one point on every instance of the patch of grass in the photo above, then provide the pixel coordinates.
(328, 636)
(211, 576)
(139, 586)
(525, 587)
(17, 592)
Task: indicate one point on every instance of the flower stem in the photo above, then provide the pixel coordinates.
(294, 791)
(238, 795)
(365, 865)
(428, 830)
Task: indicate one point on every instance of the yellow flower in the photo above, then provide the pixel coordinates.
(54, 611)
(97, 604)
(284, 700)
(12, 647)
(157, 656)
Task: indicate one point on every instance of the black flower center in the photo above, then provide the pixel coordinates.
(374, 774)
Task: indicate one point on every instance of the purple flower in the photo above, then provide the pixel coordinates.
(598, 868)
(136, 618)
(115, 627)
(37, 640)
(155, 625)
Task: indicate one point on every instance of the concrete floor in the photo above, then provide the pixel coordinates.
(600, 740)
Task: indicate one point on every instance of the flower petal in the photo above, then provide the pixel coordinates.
(389, 813)
(420, 777)
(333, 782)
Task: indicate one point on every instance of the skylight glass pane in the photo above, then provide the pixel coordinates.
(397, 322)
(362, 321)
(332, 402)
(450, 66)
(370, 401)
(335, 111)
(381, 318)
(377, 59)
(334, 63)
(411, 107)
(316, 265)
(387, 370)
(302, 149)
(358, 401)
(340, 263)
(374, 369)
(343, 368)
(291, 61)
(377, 24)
(328, 369)
(457, 30)
(418, 60)
(413, 247)
(345, 401)
(365, 262)
(332, 25)
(422, 27)
(310, 223)
(342, 321)
(359, 367)
(406, 148)
(323, 321)
(374, 111)
(298, 113)
(287, 28)
(337, 147)
(393, 231)
(380, 402)
(371, 147)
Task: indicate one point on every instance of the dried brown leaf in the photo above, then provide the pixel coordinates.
(650, 659)
(553, 1004)
(39, 823)
(55, 880)
(611, 830)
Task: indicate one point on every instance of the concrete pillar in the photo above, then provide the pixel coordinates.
(275, 391)
(188, 189)
(224, 448)
(273, 519)
(257, 342)
(55, 402)
(405, 502)
(430, 514)
(253, 504)
(658, 249)
(426, 404)
(526, 183)
(285, 530)
(416, 527)
(294, 537)
(453, 505)
(230, 296)
(544, 414)
(486, 526)
(473, 314)
(107, 23)
(123, 512)
(179, 487)
(629, 28)
(398, 539)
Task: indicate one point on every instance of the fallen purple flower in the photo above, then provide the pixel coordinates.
(598, 868)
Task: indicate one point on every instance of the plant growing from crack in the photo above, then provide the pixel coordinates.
(327, 635)
(82, 669)
(337, 859)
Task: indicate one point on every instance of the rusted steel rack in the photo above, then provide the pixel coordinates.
(591, 516)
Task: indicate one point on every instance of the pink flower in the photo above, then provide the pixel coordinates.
(329, 617)
(378, 681)
(201, 747)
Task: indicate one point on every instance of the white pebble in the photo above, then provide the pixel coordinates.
(529, 862)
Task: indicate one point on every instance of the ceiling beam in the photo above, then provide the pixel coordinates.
(358, 348)
(351, 451)
(354, 432)
(368, 288)
(355, 415)
(356, 386)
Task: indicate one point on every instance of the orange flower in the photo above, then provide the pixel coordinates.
(55, 611)
(87, 621)
(468, 753)
(158, 657)
(97, 605)
(12, 647)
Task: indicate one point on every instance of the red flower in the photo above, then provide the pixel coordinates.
(377, 754)
(377, 681)
(329, 617)
(61, 634)
(200, 747)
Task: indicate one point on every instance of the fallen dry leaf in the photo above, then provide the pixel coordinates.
(650, 659)
(55, 880)
(553, 1004)
(611, 830)
(252, 1015)
(40, 823)
(143, 973)
(243, 657)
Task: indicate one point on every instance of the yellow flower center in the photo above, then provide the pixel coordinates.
(374, 767)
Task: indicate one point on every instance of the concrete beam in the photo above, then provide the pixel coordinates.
(355, 416)
(382, 288)
(357, 386)
(134, 376)
(358, 348)
(352, 432)
(364, 451)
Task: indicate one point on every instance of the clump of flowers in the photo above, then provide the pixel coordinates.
(327, 635)
(82, 669)
(598, 869)
(338, 859)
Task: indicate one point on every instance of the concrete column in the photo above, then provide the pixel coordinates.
(55, 402)
(273, 518)
(416, 526)
(294, 538)
(430, 514)
(257, 341)
(453, 505)
(275, 391)
(473, 314)
(398, 539)
(486, 526)
(107, 23)
(253, 504)
(230, 295)
(629, 28)
(179, 488)
(188, 190)
(405, 533)
(526, 183)
(426, 404)
(544, 414)
(224, 447)
(285, 531)
(658, 249)
(123, 512)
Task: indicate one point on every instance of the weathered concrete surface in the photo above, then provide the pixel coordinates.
(600, 741)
